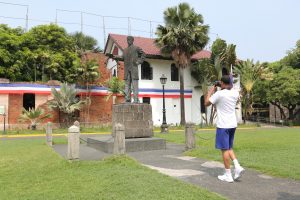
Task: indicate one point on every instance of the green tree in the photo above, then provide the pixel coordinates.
(14, 55)
(293, 57)
(218, 49)
(66, 102)
(183, 35)
(84, 42)
(54, 52)
(34, 116)
(115, 86)
(88, 73)
(206, 71)
(250, 73)
(284, 91)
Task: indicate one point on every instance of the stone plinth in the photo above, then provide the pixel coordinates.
(136, 118)
(106, 144)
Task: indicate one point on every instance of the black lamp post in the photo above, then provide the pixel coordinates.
(164, 126)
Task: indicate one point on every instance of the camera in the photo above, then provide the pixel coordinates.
(217, 83)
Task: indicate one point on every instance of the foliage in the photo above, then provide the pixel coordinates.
(115, 86)
(88, 73)
(293, 57)
(218, 48)
(284, 91)
(84, 42)
(34, 116)
(226, 53)
(183, 35)
(44, 52)
(14, 54)
(54, 51)
(65, 100)
(249, 73)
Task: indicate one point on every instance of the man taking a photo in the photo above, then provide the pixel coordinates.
(225, 101)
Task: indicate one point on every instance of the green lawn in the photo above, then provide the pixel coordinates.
(272, 151)
(57, 131)
(31, 170)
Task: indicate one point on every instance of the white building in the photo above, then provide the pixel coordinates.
(150, 88)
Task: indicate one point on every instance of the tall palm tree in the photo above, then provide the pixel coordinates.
(249, 74)
(88, 73)
(183, 35)
(66, 101)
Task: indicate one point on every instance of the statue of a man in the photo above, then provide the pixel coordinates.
(132, 56)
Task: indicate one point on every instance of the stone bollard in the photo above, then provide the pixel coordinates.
(73, 143)
(49, 134)
(77, 123)
(190, 141)
(119, 139)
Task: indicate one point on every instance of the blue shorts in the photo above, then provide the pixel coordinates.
(224, 138)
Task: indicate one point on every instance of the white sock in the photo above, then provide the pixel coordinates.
(236, 163)
(228, 172)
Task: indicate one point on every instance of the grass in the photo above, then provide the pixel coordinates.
(271, 151)
(102, 129)
(57, 131)
(31, 170)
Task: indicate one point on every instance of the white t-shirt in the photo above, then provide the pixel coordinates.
(225, 102)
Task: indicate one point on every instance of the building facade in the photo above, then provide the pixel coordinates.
(150, 88)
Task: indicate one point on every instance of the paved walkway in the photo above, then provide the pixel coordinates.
(253, 185)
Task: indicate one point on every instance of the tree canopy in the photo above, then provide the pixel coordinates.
(45, 52)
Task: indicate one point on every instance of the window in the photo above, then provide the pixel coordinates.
(202, 104)
(146, 71)
(115, 51)
(224, 71)
(146, 100)
(28, 101)
(114, 73)
(174, 73)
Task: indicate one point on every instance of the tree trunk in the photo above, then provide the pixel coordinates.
(182, 108)
(277, 104)
(212, 115)
(291, 109)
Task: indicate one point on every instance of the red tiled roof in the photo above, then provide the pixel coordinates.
(149, 47)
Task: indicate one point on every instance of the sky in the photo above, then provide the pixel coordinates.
(263, 30)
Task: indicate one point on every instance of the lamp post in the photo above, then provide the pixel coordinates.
(164, 126)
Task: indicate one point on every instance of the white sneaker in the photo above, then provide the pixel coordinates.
(238, 171)
(226, 177)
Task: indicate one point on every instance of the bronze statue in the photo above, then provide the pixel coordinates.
(132, 56)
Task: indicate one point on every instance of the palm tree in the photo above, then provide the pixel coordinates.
(34, 116)
(183, 35)
(88, 73)
(249, 74)
(65, 101)
(84, 42)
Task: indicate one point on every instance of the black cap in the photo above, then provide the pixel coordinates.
(226, 79)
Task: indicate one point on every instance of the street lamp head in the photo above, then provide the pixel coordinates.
(163, 79)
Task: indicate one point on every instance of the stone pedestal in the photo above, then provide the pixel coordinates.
(136, 118)
(106, 144)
